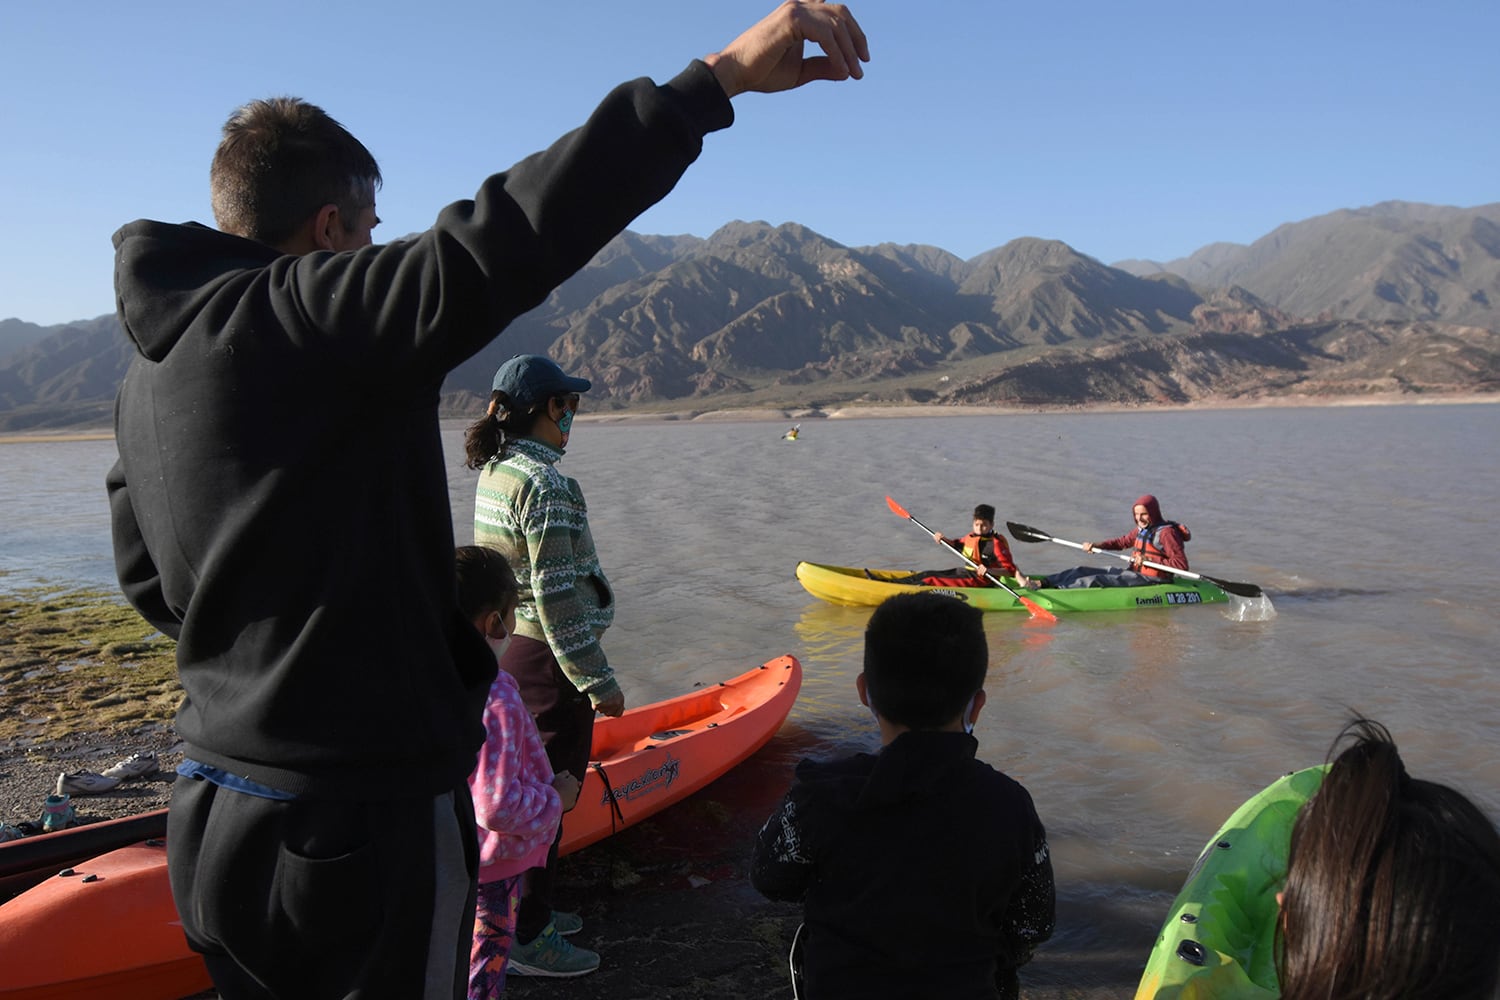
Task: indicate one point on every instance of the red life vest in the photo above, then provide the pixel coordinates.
(973, 546)
(1147, 547)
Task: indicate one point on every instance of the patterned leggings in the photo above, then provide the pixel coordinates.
(494, 930)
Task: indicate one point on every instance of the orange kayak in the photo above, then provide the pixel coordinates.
(107, 927)
(33, 859)
(659, 754)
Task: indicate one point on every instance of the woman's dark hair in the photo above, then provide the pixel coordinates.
(485, 581)
(925, 656)
(1392, 885)
(486, 437)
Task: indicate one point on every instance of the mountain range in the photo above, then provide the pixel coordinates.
(1395, 297)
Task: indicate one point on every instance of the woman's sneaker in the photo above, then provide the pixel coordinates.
(553, 955)
(137, 765)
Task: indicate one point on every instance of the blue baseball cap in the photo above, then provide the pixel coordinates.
(529, 379)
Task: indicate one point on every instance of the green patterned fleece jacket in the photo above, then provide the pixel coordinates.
(537, 518)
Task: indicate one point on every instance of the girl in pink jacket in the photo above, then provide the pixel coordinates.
(518, 801)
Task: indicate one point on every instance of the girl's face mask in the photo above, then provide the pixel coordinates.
(505, 625)
(498, 646)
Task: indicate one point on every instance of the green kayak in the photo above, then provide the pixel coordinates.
(858, 586)
(1219, 939)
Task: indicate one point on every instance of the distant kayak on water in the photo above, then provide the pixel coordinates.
(791, 435)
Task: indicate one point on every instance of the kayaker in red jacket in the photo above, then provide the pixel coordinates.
(980, 546)
(1154, 539)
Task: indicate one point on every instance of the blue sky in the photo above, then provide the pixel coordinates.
(1125, 130)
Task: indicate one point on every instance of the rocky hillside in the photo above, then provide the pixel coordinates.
(1397, 297)
(1392, 261)
(1336, 358)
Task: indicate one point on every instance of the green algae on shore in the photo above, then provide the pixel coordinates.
(79, 661)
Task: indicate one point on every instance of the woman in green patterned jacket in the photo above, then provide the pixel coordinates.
(534, 515)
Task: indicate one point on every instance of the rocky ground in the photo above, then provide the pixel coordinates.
(29, 774)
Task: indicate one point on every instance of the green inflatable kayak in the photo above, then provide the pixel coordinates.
(1219, 939)
(868, 587)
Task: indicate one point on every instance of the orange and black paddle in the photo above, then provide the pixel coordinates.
(1037, 611)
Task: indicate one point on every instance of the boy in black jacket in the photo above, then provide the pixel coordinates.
(920, 842)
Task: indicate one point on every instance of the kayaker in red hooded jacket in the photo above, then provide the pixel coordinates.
(1153, 539)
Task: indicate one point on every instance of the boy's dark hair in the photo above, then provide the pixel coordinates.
(279, 161)
(485, 581)
(984, 512)
(925, 656)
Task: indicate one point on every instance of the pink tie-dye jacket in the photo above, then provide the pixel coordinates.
(517, 808)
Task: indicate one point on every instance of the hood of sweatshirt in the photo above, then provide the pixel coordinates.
(1153, 509)
(169, 276)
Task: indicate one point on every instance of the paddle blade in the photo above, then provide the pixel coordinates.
(1024, 533)
(1237, 589)
(899, 510)
(1037, 611)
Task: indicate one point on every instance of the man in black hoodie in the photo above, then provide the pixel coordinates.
(280, 508)
(922, 871)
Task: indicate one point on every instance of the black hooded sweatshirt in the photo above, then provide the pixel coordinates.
(280, 504)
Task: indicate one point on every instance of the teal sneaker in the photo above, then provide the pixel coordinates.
(57, 813)
(567, 924)
(551, 955)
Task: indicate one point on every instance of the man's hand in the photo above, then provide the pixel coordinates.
(768, 57)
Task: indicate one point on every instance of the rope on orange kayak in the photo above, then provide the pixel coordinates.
(614, 804)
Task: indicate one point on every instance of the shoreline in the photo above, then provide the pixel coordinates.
(857, 411)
